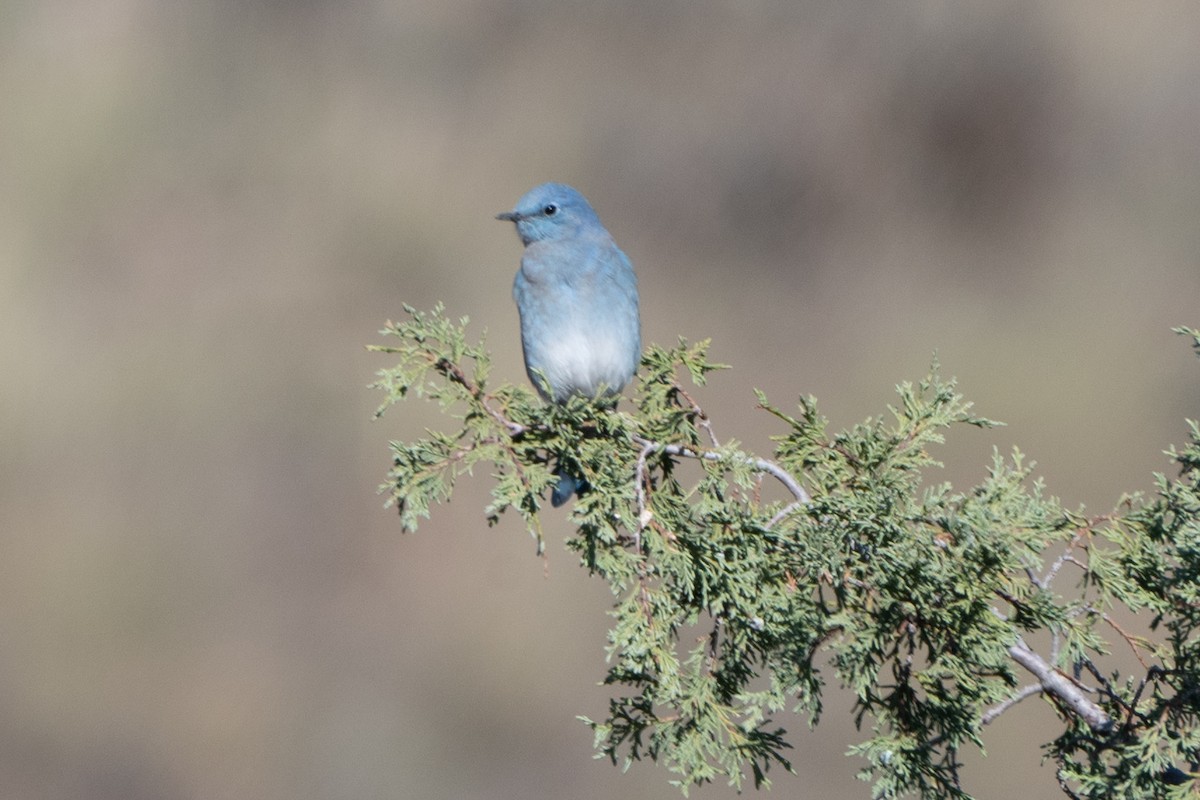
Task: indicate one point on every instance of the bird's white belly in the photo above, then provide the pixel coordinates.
(580, 362)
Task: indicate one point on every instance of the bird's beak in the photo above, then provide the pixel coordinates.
(509, 216)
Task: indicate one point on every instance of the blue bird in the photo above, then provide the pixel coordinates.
(578, 301)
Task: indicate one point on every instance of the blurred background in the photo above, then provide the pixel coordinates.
(207, 209)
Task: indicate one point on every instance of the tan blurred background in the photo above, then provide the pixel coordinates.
(207, 209)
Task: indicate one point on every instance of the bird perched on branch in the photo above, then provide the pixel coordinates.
(577, 296)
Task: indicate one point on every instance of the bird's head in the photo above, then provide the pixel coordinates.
(550, 211)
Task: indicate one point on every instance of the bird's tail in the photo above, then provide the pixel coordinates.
(567, 485)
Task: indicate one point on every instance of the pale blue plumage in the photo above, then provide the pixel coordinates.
(578, 301)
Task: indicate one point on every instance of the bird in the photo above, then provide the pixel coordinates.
(577, 298)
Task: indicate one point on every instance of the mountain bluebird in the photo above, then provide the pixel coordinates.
(578, 301)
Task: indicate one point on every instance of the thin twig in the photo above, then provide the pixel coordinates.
(760, 464)
(714, 644)
(990, 715)
(784, 512)
(1066, 558)
(644, 514)
(701, 417)
(1068, 555)
(455, 373)
(1130, 639)
(1033, 578)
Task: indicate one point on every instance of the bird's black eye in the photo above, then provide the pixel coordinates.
(550, 210)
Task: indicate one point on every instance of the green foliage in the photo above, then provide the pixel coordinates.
(744, 585)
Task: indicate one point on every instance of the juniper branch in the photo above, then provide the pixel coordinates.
(1061, 687)
(895, 579)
